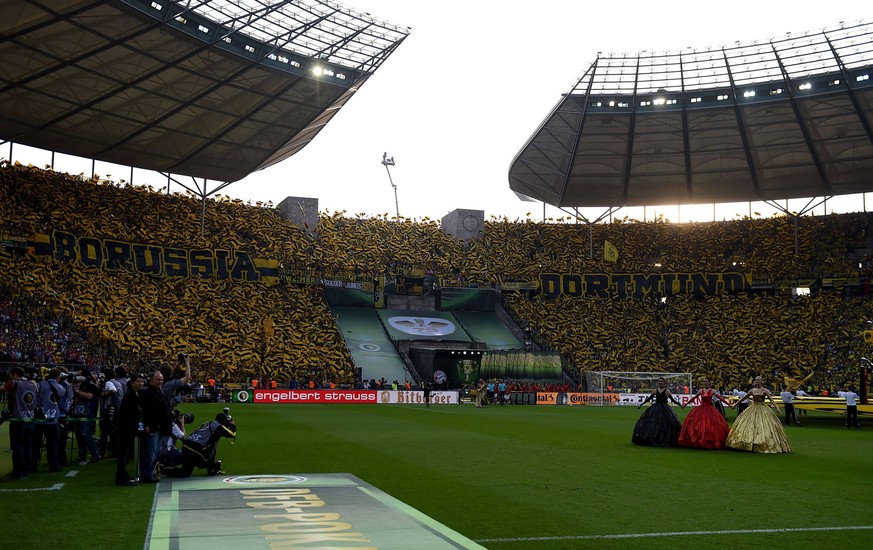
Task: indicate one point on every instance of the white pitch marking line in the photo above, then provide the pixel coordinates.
(686, 533)
(55, 487)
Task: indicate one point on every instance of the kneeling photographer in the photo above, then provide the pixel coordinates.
(198, 449)
(170, 454)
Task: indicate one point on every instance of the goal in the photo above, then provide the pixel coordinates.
(635, 382)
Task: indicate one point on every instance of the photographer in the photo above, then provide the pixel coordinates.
(174, 384)
(51, 393)
(23, 395)
(86, 399)
(171, 455)
(198, 449)
(108, 394)
(128, 426)
(157, 418)
(64, 406)
(116, 388)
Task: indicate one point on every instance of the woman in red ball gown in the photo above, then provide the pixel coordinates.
(704, 427)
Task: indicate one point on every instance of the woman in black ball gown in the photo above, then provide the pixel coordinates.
(658, 426)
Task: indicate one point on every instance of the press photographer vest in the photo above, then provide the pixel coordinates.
(203, 435)
(49, 397)
(86, 408)
(26, 394)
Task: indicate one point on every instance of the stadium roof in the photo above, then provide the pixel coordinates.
(775, 119)
(211, 88)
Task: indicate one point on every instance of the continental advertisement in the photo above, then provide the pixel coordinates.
(577, 398)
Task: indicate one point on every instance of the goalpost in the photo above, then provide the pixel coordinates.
(635, 382)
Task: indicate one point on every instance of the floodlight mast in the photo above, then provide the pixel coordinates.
(386, 162)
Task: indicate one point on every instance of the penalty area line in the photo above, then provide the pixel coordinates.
(683, 534)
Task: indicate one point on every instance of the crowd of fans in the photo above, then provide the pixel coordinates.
(237, 330)
(522, 250)
(30, 332)
(234, 331)
(730, 338)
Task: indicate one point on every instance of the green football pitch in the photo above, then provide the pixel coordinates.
(505, 477)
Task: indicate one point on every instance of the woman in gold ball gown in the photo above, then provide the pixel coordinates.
(757, 428)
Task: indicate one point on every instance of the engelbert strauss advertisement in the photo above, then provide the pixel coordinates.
(412, 397)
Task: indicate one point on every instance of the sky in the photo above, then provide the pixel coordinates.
(461, 96)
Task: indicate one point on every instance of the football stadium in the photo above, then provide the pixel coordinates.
(182, 369)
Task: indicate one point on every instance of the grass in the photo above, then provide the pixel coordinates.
(517, 472)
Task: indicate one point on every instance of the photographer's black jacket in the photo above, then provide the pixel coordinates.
(130, 412)
(157, 414)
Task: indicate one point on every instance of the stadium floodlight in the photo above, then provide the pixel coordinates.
(386, 162)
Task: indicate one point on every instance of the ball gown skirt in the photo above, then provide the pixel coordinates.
(704, 427)
(759, 430)
(658, 426)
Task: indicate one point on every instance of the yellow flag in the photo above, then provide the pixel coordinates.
(610, 252)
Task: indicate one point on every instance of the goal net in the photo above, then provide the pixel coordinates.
(635, 382)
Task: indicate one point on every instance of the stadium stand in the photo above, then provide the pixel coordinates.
(128, 274)
(235, 331)
(238, 330)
